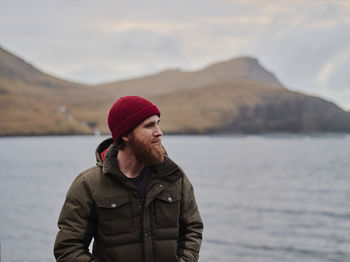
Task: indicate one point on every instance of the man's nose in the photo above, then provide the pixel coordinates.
(158, 131)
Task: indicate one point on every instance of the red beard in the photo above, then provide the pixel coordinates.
(146, 152)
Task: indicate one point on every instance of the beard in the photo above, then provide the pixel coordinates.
(146, 152)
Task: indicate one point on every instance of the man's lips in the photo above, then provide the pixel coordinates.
(158, 141)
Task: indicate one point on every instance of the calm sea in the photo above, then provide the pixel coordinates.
(262, 198)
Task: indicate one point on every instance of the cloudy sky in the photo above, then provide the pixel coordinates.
(306, 43)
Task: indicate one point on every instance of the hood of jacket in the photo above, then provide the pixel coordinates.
(102, 149)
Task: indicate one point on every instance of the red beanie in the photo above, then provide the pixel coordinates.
(127, 112)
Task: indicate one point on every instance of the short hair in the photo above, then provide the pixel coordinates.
(121, 142)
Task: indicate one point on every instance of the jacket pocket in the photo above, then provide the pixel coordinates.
(167, 209)
(114, 215)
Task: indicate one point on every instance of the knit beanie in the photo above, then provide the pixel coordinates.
(127, 112)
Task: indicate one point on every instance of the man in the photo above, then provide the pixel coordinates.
(136, 203)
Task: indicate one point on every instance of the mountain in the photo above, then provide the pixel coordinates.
(250, 107)
(234, 96)
(13, 68)
(30, 100)
(173, 80)
(243, 67)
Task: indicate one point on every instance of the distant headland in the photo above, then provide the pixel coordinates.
(237, 96)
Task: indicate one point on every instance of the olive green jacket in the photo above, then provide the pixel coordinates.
(104, 205)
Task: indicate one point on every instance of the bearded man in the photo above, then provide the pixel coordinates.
(136, 204)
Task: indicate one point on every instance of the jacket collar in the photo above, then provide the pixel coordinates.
(102, 147)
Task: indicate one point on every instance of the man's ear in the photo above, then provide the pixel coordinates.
(126, 138)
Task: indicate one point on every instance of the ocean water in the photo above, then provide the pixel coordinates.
(262, 198)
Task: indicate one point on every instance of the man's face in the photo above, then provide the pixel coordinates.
(145, 142)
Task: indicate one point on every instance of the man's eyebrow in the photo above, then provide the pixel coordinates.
(150, 123)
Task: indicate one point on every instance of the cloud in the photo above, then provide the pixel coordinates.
(330, 71)
(325, 73)
(113, 27)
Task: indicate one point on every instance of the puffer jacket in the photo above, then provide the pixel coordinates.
(102, 204)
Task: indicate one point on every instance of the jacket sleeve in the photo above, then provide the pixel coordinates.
(191, 225)
(76, 225)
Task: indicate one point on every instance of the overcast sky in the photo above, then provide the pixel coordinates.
(306, 44)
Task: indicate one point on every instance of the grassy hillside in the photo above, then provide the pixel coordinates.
(30, 100)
